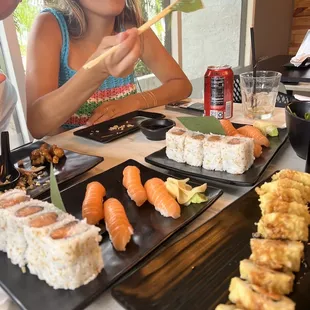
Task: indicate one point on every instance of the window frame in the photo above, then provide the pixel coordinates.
(15, 71)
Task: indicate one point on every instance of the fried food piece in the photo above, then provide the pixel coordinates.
(276, 254)
(55, 160)
(57, 151)
(270, 203)
(44, 146)
(290, 190)
(297, 176)
(252, 297)
(272, 281)
(283, 226)
(47, 155)
(227, 307)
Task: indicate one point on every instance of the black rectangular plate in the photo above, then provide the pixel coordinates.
(70, 166)
(151, 230)
(249, 178)
(102, 134)
(195, 272)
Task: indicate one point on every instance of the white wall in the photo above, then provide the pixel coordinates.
(211, 36)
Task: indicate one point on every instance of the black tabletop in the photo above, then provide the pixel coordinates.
(290, 74)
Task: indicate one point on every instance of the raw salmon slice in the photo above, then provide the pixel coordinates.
(92, 208)
(254, 133)
(159, 196)
(117, 224)
(132, 182)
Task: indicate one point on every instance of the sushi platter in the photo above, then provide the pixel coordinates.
(245, 173)
(118, 127)
(235, 258)
(69, 166)
(146, 228)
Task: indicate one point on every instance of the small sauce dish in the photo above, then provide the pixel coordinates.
(155, 129)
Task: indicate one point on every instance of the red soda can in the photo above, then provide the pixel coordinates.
(218, 95)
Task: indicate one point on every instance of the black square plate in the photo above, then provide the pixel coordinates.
(249, 178)
(151, 230)
(70, 166)
(117, 127)
(195, 272)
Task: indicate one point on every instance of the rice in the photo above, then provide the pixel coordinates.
(193, 149)
(237, 154)
(16, 242)
(212, 157)
(70, 262)
(34, 236)
(9, 203)
(175, 142)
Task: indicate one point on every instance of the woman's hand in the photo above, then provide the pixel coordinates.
(121, 62)
(114, 109)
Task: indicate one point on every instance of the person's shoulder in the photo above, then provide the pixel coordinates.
(46, 26)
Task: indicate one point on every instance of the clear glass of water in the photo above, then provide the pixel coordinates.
(259, 93)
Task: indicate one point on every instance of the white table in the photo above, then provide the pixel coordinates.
(136, 146)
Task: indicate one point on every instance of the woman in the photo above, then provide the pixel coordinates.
(61, 94)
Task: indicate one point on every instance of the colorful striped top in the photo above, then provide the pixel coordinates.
(111, 89)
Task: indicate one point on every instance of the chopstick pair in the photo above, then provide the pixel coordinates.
(179, 5)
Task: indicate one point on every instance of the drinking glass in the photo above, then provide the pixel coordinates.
(259, 93)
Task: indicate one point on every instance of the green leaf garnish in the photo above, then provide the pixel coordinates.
(307, 116)
(55, 193)
(203, 124)
(187, 6)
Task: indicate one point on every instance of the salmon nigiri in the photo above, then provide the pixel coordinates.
(92, 208)
(228, 127)
(132, 182)
(254, 133)
(117, 224)
(158, 195)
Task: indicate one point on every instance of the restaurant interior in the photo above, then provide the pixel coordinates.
(195, 195)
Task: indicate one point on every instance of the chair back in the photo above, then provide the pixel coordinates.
(281, 101)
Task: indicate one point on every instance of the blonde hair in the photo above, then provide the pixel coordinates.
(76, 20)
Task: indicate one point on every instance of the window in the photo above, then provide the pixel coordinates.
(212, 36)
(9, 50)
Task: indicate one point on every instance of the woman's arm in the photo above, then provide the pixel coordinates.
(49, 106)
(175, 85)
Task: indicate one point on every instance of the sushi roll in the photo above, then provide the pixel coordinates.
(193, 149)
(298, 176)
(237, 154)
(212, 156)
(252, 297)
(227, 307)
(175, 142)
(291, 190)
(272, 281)
(283, 226)
(71, 255)
(276, 254)
(9, 202)
(270, 203)
(40, 226)
(16, 242)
